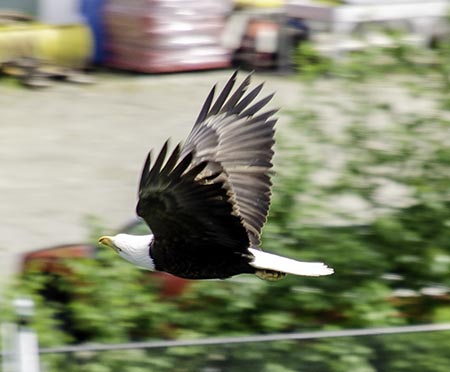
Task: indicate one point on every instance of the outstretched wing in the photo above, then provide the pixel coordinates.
(183, 204)
(233, 132)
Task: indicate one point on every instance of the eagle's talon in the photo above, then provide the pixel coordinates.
(270, 275)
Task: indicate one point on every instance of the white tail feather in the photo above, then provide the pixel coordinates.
(264, 260)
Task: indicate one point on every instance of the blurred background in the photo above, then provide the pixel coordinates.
(361, 182)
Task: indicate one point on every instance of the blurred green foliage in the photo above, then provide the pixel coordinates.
(392, 265)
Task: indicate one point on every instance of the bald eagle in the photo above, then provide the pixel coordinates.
(207, 203)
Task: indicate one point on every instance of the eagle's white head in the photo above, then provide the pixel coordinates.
(133, 248)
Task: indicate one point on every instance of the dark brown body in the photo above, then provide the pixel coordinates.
(199, 262)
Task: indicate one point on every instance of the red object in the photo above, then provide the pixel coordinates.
(166, 35)
(51, 260)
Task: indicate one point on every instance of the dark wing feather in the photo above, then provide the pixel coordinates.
(232, 133)
(183, 204)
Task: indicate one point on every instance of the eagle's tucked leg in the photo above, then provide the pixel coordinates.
(270, 275)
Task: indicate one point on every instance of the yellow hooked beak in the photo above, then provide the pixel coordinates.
(107, 240)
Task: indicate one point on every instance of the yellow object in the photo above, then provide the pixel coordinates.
(68, 46)
(259, 3)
